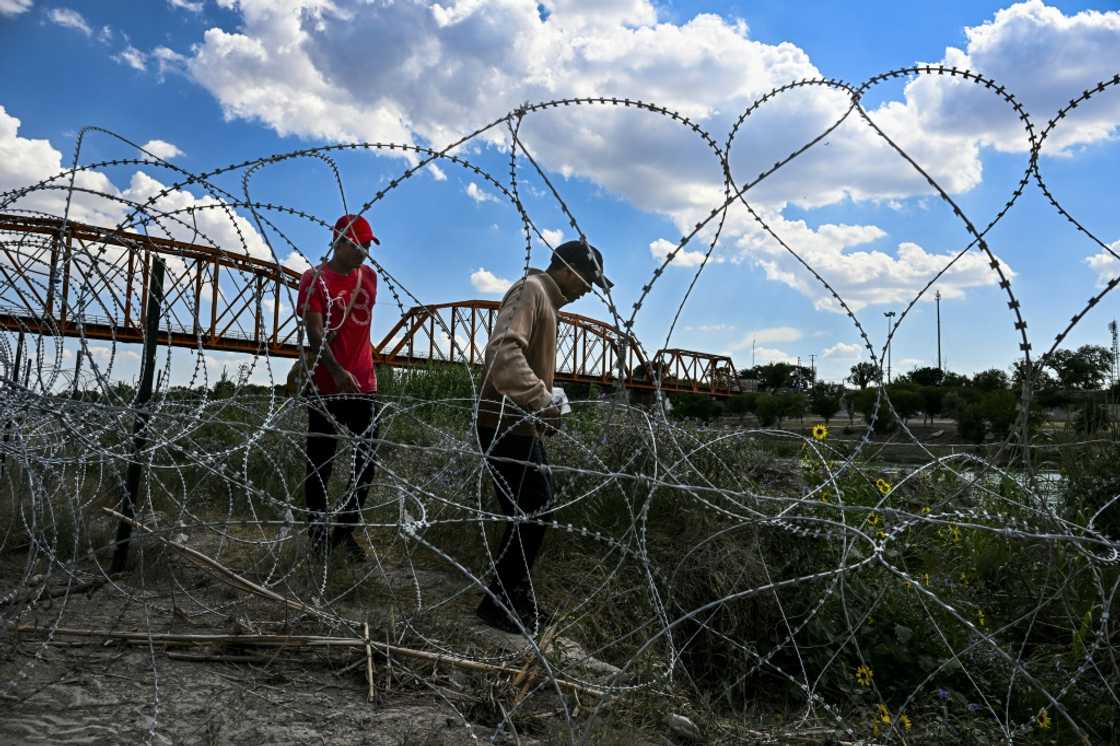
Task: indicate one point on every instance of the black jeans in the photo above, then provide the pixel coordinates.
(358, 415)
(521, 488)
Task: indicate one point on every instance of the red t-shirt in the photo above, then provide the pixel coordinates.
(350, 344)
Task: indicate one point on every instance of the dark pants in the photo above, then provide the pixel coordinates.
(356, 414)
(521, 488)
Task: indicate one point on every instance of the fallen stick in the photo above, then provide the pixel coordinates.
(369, 661)
(237, 581)
(202, 657)
(243, 583)
(293, 641)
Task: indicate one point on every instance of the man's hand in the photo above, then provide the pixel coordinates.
(550, 420)
(345, 381)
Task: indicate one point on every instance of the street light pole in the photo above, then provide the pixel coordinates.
(890, 315)
(937, 295)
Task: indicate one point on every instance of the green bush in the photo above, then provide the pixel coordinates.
(769, 409)
(696, 406)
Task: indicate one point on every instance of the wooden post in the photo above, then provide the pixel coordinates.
(14, 383)
(77, 369)
(152, 313)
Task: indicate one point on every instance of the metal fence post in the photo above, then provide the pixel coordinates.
(143, 395)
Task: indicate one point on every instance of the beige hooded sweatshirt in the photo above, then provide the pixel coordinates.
(520, 360)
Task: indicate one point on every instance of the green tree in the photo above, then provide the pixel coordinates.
(825, 400)
(864, 374)
(1085, 368)
(865, 404)
(697, 406)
(793, 404)
(906, 400)
(774, 376)
(970, 422)
(998, 408)
(926, 376)
(953, 380)
(933, 400)
(992, 379)
(741, 404)
(768, 409)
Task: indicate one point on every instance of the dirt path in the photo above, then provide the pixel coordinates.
(95, 691)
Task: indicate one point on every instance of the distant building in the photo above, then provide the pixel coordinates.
(748, 384)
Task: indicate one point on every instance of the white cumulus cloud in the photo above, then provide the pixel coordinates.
(162, 149)
(1045, 58)
(69, 18)
(194, 6)
(478, 194)
(132, 57)
(764, 355)
(1105, 264)
(842, 351)
(861, 277)
(554, 236)
(660, 250)
(768, 335)
(485, 281)
(14, 7)
(168, 60)
(443, 69)
(25, 161)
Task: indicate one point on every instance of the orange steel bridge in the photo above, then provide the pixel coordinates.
(90, 281)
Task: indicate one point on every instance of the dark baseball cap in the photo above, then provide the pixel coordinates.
(583, 258)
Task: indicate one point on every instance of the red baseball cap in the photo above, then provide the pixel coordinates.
(356, 228)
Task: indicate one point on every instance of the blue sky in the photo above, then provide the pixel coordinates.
(224, 82)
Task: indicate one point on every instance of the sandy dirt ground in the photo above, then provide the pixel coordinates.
(89, 690)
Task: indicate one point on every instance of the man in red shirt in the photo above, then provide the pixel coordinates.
(336, 303)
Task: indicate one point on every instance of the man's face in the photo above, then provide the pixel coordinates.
(350, 253)
(576, 286)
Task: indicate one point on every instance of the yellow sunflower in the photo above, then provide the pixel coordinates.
(1043, 719)
(820, 432)
(864, 675)
(883, 485)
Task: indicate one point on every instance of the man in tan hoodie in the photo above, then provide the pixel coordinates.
(515, 410)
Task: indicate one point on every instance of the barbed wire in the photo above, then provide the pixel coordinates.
(674, 549)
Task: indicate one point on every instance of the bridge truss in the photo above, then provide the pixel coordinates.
(78, 280)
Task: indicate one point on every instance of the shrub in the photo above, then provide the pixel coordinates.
(825, 401)
(696, 406)
(768, 409)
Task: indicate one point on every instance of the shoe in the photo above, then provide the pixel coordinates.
(538, 622)
(532, 616)
(494, 616)
(350, 549)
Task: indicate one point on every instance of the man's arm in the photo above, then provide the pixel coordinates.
(343, 379)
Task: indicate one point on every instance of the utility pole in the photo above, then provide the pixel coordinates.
(753, 363)
(813, 367)
(890, 315)
(937, 295)
(1115, 351)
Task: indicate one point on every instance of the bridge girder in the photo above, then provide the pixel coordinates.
(227, 301)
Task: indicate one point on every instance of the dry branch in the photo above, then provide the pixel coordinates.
(295, 641)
